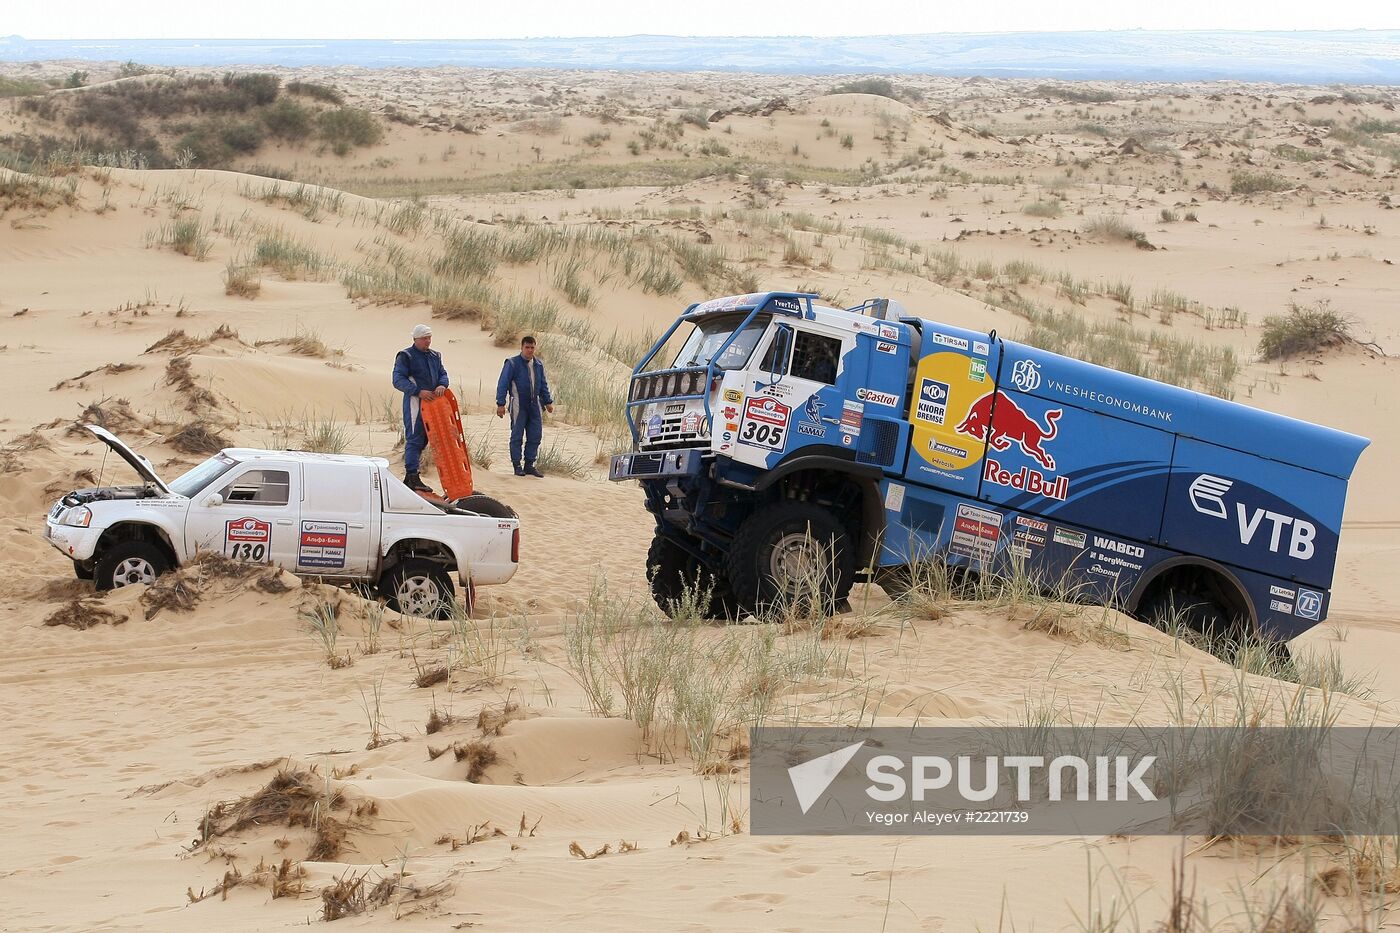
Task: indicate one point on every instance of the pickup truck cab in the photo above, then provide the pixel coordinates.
(343, 519)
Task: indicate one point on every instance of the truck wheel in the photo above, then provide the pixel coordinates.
(82, 570)
(127, 562)
(485, 505)
(789, 555)
(671, 570)
(417, 587)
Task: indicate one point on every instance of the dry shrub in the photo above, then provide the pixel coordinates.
(437, 721)
(304, 343)
(180, 375)
(116, 415)
(294, 799)
(353, 894)
(493, 721)
(177, 341)
(195, 438)
(286, 880)
(54, 487)
(473, 835)
(479, 755)
(432, 676)
(83, 614)
(578, 851)
(111, 369)
(181, 589)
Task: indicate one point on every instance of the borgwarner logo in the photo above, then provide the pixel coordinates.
(976, 779)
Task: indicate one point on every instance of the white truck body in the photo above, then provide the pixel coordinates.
(342, 518)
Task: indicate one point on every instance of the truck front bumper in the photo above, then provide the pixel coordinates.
(662, 463)
(72, 541)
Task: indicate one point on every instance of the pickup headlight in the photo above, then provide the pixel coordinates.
(80, 517)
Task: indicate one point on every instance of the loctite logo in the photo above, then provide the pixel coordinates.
(1027, 480)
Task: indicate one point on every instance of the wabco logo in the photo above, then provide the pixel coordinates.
(1012, 424)
(1025, 375)
(1207, 494)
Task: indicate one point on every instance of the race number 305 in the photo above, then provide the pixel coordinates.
(247, 539)
(765, 423)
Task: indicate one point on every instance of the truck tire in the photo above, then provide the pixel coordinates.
(83, 570)
(418, 587)
(671, 569)
(485, 505)
(771, 564)
(124, 563)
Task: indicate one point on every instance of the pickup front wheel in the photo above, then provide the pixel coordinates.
(126, 562)
(417, 587)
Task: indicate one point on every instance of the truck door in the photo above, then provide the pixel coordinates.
(252, 517)
(336, 531)
(790, 397)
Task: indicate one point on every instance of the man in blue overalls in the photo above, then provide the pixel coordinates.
(523, 383)
(419, 375)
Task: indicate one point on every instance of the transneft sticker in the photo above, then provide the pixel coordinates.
(975, 532)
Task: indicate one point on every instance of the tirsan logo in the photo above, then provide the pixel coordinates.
(1025, 375)
(1207, 494)
(1012, 424)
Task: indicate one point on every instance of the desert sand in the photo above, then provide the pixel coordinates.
(267, 311)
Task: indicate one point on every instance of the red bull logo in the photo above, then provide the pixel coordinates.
(1011, 424)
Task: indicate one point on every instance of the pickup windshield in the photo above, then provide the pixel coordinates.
(200, 477)
(709, 334)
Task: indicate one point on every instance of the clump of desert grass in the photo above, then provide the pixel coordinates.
(299, 799)
(197, 438)
(183, 588)
(1304, 330)
(82, 614)
(1116, 227)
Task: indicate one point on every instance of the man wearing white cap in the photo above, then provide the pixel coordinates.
(419, 375)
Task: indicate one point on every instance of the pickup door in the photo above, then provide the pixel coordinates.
(252, 515)
(339, 524)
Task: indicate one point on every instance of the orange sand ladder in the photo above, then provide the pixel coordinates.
(449, 444)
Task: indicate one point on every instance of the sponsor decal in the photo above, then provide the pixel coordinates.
(981, 348)
(811, 424)
(786, 304)
(852, 414)
(875, 397)
(1036, 524)
(888, 333)
(933, 401)
(1279, 605)
(247, 539)
(1309, 605)
(690, 424)
(730, 412)
(1012, 424)
(1069, 537)
(894, 497)
(675, 408)
(975, 532)
(1112, 401)
(1119, 547)
(1027, 538)
(733, 395)
(948, 340)
(1025, 375)
(938, 446)
(731, 425)
(1027, 480)
(322, 544)
(654, 426)
(765, 423)
(775, 389)
(1207, 495)
(728, 436)
(977, 371)
(1282, 592)
(846, 439)
(886, 347)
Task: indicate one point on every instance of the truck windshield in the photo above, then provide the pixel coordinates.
(710, 334)
(199, 477)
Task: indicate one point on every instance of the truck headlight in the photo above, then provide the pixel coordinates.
(80, 517)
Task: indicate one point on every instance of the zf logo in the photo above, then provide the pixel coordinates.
(1309, 605)
(1207, 494)
(1025, 375)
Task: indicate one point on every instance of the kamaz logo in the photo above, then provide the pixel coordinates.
(1025, 375)
(1207, 494)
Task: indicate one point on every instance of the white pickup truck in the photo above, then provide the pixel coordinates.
(340, 518)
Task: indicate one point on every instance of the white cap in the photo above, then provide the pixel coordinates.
(422, 330)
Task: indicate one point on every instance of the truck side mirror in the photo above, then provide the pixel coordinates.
(777, 358)
(214, 500)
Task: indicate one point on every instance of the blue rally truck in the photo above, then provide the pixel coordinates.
(769, 429)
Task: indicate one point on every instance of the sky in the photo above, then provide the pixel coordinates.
(464, 19)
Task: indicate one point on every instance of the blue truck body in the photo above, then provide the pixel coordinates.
(928, 440)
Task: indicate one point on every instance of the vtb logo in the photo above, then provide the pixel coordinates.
(1011, 424)
(1025, 375)
(1207, 495)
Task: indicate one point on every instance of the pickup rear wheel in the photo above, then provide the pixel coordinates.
(792, 556)
(124, 563)
(418, 587)
(485, 505)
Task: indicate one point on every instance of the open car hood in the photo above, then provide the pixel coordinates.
(138, 463)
